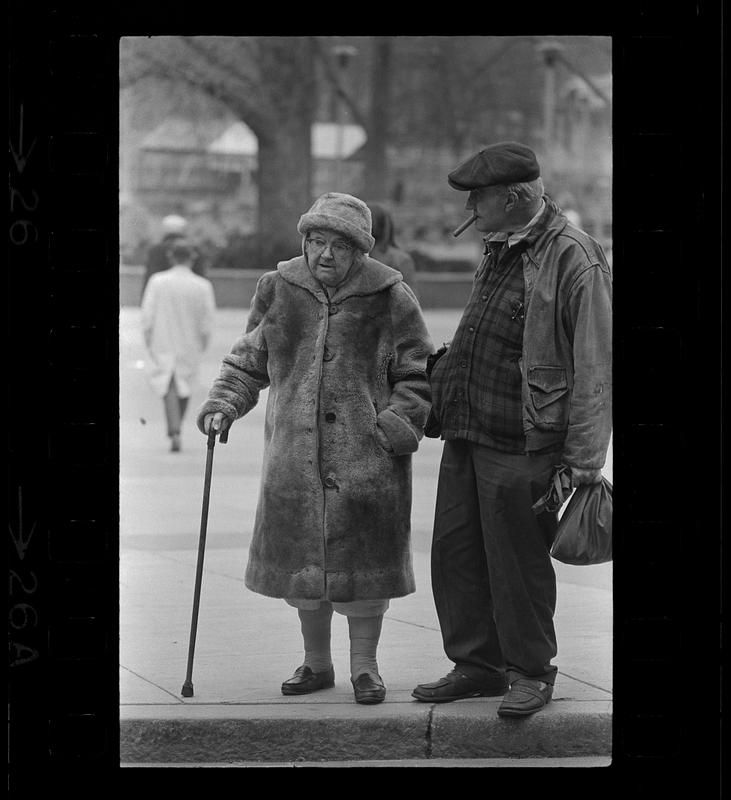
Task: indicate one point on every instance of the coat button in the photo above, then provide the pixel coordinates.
(333, 309)
(327, 355)
(330, 417)
(330, 481)
(463, 363)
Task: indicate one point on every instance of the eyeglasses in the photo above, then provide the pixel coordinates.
(338, 249)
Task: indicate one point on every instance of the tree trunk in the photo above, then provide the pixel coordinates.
(284, 185)
(285, 151)
(376, 168)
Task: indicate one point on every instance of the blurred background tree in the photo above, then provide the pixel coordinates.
(268, 83)
(241, 133)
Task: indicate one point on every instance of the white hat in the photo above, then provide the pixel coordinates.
(174, 224)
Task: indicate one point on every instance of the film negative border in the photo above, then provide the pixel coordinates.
(63, 419)
(63, 440)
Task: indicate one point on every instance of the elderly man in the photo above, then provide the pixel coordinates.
(524, 385)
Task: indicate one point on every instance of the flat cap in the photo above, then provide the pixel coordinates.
(503, 162)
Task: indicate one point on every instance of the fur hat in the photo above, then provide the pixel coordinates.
(343, 213)
(504, 162)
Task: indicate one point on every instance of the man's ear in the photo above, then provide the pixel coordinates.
(511, 201)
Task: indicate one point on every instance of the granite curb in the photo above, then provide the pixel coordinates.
(469, 729)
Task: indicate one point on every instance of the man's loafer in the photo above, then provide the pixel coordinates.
(525, 697)
(368, 690)
(458, 686)
(305, 681)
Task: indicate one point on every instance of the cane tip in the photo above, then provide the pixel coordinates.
(187, 690)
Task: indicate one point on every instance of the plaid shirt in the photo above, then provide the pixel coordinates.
(476, 385)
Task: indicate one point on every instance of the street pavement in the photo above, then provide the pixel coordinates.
(247, 644)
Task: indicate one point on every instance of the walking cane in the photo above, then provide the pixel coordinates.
(187, 690)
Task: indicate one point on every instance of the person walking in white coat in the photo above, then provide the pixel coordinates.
(178, 308)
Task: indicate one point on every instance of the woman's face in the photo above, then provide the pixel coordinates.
(329, 256)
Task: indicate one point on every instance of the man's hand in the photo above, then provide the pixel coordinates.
(579, 476)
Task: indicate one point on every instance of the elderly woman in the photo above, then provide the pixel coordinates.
(341, 343)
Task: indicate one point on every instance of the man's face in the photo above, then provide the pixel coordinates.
(488, 203)
(330, 256)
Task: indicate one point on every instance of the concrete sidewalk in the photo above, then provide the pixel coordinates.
(247, 644)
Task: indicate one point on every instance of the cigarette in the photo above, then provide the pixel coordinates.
(466, 224)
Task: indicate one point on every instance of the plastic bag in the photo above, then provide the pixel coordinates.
(584, 535)
(585, 529)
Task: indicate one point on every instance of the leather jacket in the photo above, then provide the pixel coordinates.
(566, 363)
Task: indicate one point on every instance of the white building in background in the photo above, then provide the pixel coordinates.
(333, 146)
(196, 167)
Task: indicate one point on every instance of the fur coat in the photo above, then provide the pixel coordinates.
(333, 515)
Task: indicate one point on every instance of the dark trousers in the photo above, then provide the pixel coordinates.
(492, 577)
(175, 407)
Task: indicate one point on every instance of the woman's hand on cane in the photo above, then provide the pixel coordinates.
(219, 421)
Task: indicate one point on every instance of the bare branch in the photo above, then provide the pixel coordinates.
(210, 51)
(588, 81)
(332, 77)
(128, 79)
(240, 103)
(480, 78)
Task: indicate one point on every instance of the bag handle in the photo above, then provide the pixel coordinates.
(558, 492)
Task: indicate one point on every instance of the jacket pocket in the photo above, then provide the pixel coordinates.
(547, 386)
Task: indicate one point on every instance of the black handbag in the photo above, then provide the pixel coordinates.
(584, 535)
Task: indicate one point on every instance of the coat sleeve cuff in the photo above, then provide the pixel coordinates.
(401, 435)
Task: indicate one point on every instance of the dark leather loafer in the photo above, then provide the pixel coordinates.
(525, 697)
(368, 690)
(458, 686)
(305, 681)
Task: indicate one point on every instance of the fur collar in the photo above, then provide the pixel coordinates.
(372, 277)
